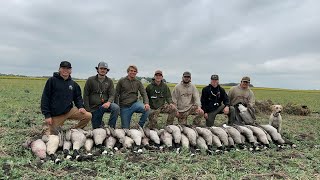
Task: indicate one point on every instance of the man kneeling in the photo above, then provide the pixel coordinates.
(160, 100)
(211, 101)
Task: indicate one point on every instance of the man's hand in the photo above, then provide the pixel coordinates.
(146, 107)
(82, 110)
(48, 121)
(199, 110)
(226, 110)
(206, 115)
(173, 106)
(106, 105)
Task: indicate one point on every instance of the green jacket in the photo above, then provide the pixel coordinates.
(127, 92)
(96, 93)
(158, 94)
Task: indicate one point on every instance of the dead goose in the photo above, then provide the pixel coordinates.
(66, 149)
(99, 135)
(245, 115)
(166, 138)
(260, 134)
(78, 140)
(176, 134)
(248, 134)
(207, 136)
(153, 135)
(127, 142)
(221, 133)
(52, 143)
(234, 134)
(276, 137)
(185, 141)
(38, 148)
(136, 135)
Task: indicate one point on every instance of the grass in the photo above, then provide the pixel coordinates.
(20, 118)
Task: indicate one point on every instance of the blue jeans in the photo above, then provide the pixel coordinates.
(127, 112)
(98, 114)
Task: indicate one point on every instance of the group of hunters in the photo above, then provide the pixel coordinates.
(61, 94)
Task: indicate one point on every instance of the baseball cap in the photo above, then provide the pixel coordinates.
(187, 73)
(158, 72)
(214, 77)
(65, 64)
(246, 79)
(103, 65)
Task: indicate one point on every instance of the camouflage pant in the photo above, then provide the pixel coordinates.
(154, 113)
(183, 116)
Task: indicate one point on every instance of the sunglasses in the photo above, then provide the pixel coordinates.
(187, 76)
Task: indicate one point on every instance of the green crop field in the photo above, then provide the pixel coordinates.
(21, 118)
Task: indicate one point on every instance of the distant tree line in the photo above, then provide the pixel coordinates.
(149, 79)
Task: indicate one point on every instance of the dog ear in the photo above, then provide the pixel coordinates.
(272, 107)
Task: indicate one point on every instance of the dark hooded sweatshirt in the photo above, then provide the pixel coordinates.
(212, 98)
(58, 96)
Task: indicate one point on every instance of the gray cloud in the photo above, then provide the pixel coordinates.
(274, 42)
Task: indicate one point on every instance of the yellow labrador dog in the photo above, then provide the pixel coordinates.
(275, 119)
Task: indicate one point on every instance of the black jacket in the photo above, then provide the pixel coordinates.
(212, 98)
(58, 95)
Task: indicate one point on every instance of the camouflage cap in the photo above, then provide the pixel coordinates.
(246, 79)
(187, 73)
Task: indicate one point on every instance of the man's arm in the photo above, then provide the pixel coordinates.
(203, 100)
(168, 96)
(45, 99)
(117, 93)
(111, 92)
(196, 96)
(143, 93)
(77, 98)
(86, 93)
(252, 99)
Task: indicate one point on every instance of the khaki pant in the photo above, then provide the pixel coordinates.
(73, 114)
(154, 113)
(183, 116)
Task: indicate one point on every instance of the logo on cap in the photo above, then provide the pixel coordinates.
(214, 77)
(103, 65)
(246, 79)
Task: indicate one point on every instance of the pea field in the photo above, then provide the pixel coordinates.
(21, 118)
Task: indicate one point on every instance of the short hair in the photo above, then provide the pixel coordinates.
(133, 67)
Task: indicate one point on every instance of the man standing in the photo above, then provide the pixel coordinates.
(99, 96)
(211, 100)
(59, 94)
(159, 96)
(127, 98)
(244, 95)
(186, 97)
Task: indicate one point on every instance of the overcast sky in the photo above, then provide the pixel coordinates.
(276, 43)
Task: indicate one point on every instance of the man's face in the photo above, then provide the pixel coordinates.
(132, 73)
(158, 77)
(102, 71)
(244, 84)
(214, 82)
(186, 79)
(65, 72)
